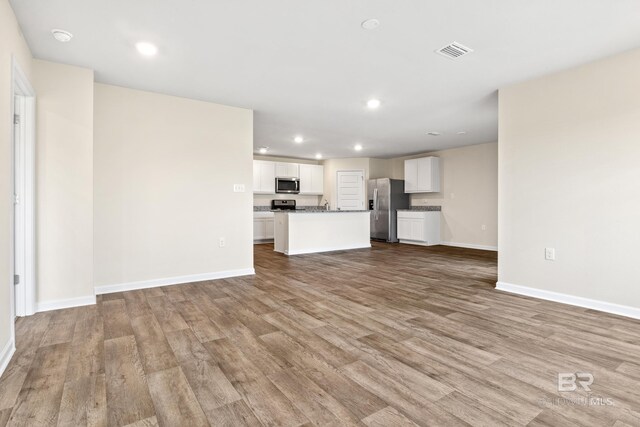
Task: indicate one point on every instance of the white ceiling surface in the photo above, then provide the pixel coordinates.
(307, 67)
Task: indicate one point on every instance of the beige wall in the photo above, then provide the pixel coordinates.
(380, 168)
(468, 196)
(11, 44)
(570, 179)
(163, 186)
(64, 165)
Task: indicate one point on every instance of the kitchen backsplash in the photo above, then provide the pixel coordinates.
(265, 199)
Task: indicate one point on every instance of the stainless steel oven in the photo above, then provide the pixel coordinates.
(288, 185)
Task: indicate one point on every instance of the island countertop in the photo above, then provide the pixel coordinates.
(421, 209)
(309, 211)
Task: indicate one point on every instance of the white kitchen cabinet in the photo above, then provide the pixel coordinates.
(264, 177)
(287, 170)
(311, 179)
(262, 226)
(422, 175)
(419, 227)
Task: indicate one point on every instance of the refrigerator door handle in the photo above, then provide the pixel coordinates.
(375, 202)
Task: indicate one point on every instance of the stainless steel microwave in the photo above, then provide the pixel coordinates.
(288, 185)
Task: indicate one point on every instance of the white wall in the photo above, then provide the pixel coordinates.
(164, 170)
(570, 179)
(64, 168)
(11, 44)
(468, 196)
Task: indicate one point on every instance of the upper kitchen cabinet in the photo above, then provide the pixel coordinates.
(311, 179)
(287, 170)
(264, 177)
(422, 175)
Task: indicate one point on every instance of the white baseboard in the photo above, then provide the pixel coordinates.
(471, 246)
(320, 250)
(417, 243)
(65, 303)
(6, 354)
(607, 307)
(154, 283)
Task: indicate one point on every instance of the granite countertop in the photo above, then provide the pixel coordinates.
(421, 209)
(268, 208)
(306, 211)
(300, 209)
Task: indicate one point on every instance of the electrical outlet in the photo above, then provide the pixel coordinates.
(222, 242)
(483, 227)
(549, 254)
(238, 188)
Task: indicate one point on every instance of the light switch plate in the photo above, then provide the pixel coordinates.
(238, 188)
(549, 254)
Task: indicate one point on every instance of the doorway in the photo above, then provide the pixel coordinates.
(23, 219)
(350, 191)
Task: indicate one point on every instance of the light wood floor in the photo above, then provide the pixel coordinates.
(392, 336)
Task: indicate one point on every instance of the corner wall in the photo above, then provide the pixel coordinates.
(164, 171)
(569, 179)
(64, 200)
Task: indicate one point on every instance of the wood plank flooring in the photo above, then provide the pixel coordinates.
(392, 336)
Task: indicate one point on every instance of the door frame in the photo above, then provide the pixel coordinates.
(27, 287)
(364, 186)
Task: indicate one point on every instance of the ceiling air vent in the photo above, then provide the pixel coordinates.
(454, 50)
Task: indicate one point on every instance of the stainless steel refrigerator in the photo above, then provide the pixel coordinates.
(385, 196)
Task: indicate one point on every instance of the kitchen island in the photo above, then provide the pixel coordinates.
(305, 232)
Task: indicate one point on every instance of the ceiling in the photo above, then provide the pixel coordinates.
(308, 67)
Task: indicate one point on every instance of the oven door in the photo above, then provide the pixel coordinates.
(288, 185)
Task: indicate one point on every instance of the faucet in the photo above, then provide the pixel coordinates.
(326, 205)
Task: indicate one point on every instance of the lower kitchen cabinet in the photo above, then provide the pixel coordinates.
(262, 226)
(419, 227)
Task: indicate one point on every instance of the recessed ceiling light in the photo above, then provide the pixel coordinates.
(318, 156)
(373, 103)
(263, 150)
(358, 147)
(146, 48)
(462, 132)
(62, 35)
(298, 139)
(370, 24)
(434, 133)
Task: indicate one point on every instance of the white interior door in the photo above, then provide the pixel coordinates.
(350, 191)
